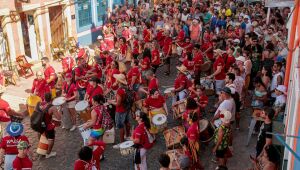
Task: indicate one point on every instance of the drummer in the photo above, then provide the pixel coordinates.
(180, 83)
(153, 82)
(50, 75)
(198, 60)
(69, 91)
(93, 89)
(191, 107)
(111, 82)
(156, 104)
(80, 77)
(134, 75)
(39, 85)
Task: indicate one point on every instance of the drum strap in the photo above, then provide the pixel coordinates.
(67, 90)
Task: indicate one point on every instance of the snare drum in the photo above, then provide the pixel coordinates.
(159, 122)
(207, 131)
(174, 158)
(85, 134)
(81, 108)
(59, 101)
(173, 136)
(178, 108)
(209, 86)
(168, 92)
(127, 148)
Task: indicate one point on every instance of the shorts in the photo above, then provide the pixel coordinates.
(219, 85)
(121, 119)
(97, 133)
(50, 134)
(71, 104)
(221, 153)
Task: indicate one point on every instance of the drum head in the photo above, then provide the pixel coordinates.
(81, 106)
(159, 119)
(169, 90)
(59, 101)
(126, 144)
(203, 124)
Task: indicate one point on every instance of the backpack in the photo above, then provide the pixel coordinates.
(37, 121)
(129, 99)
(107, 122)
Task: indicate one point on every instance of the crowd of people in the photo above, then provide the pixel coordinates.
(227, 49)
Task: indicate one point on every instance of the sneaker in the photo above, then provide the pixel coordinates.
(117, 146)
(73, 128)
(50, 155)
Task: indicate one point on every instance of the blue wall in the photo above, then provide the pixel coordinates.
(297, 163)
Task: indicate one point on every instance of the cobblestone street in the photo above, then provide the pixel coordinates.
(68, 143)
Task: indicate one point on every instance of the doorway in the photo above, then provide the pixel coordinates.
(56, 25)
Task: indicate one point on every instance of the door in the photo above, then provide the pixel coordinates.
(32, 38)
(102, 6)
(56, 25)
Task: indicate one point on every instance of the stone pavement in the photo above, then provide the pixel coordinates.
(68, 143)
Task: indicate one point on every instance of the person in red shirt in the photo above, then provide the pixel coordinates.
(207, 48)
(111, 82)
(229, 58)
(167, 51)
(180, 83)
(198, 93)
(85, 157)
(155, 60)
(134, 76)
(198, 60)
(8, 145)
(93, 89)
(189, 63)
(191, 107)
(67, 64)
(81, 77)
(219, 71)
(121, 116)
(187, 47)
(145, 64)
(49, 75)
(140, 139)
(22, 161)
(153, 82)
(126, 33)
(69, 91)
(135, 50)
(180, 37)
(39, 86)
(123, 48)
(147, 35)
(160, 36)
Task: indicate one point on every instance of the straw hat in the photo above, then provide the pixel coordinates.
(2, 89)
(225, 116)
(120, 78)
(182, 69)
(219, 51)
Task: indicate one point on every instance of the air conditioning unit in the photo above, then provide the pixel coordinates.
(23, 1)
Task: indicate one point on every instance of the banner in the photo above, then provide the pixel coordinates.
(279, 3)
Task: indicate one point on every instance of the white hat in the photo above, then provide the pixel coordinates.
(100, 37)
(236, 41)
(241, 58)
(281, 88)
(120, 78)
(225, 116)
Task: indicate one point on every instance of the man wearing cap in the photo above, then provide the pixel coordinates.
(81, 77)
(121, 117)
(219, 71)
(227, 103)
(8, 145)
(39, 85)
(181, 83)
(22, 161)
(50, 75)
(69, 91)
(67, 63)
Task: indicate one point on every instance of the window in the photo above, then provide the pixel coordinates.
(101, 9)
(84, 13)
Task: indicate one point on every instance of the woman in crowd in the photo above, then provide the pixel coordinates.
(267, 160)
(260, 93)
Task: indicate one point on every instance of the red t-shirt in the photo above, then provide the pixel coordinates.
(123, 49)
(153, 84)
(167, 46)
(181, 80)
(160, 38)
(69, 90)
(91, 91)
(135, 47)
(219, 62)
(198, 60)
(180, 36)
(146, 35)
(4, 105)
(121, 108)
(189, 64)
(230, 60)
(82, 165)
(79, 71)
(98, 70)
(41, 87)
(50, 72)
(146, 62)
(67, 64)
(98, 150)
(193, 132)
(112, 80)
(155, 54)
(155, 102)
(9, 144)
(205, 46)
(134, 71)
(103, 47)
(109, 60)
(22, 163)
(139, 133)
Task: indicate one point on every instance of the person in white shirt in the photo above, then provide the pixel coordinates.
(226, 104)
(277, 78)
(280, 102)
